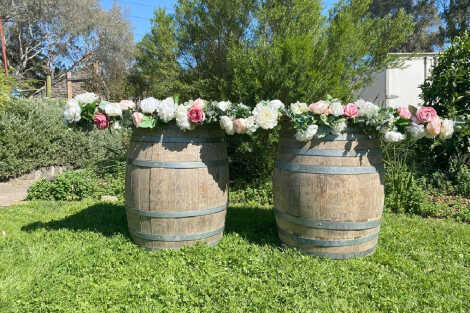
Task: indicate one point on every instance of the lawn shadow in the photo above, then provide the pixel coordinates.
(256, 225)
(107, 219)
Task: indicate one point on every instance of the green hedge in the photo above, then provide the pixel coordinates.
(33, 135)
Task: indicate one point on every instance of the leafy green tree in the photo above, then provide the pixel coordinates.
(157, 71)
(206, 32)
(425, 13)
(456, 15)
(301, 56)
(50, 37)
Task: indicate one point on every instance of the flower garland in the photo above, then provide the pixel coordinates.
(316, 120)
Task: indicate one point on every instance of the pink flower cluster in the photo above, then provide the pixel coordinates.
(351, 110)
(426, 116)
(196, 114)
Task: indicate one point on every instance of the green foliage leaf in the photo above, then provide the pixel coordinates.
(148, 122)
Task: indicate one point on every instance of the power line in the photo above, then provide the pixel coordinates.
(140, 17)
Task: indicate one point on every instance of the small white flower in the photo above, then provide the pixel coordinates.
(308, 134)
(366, 109)
(266, 116)
(447, 129)
(394, 136)
(72, 112)
(251, 126)
(336, 109)
(182, 120)
(276, 104)
(415, 130)
(86, 98)
(117, 125)
(299, 108)
(167, 109)
(112, 109)
(224, 105)
(149, 105)
(226, 123)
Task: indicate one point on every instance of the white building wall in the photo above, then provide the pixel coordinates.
(400, 86)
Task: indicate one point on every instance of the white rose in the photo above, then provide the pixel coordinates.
(182, 119)
(149, 105)
(126, 105)
(112, 109)
(299, 108)
(394, 136)
(366, 108)
(167, 109)
(265, 116)
(86, 98)
(308, 134)
(336, 109)
(276, 104)
(415, 130)
(251, 126)
(224, 105)
(72, 112)
(226, 123)
(339, 127)
(447, 129)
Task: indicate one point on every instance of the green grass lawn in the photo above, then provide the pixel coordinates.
(78, 257)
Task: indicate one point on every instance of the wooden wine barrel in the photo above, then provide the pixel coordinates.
(329, 195)
(176, 187)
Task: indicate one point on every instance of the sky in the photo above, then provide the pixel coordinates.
(139, 12)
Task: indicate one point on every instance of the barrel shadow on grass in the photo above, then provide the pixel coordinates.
(257, 225)
(105, 218)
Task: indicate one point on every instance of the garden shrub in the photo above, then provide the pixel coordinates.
(448, 91)
(260, 193)
(33, 135)
(77, 185)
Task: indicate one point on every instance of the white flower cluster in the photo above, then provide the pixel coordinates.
(86, 98)
(182, 120)
(308, 134)
(266, 113)
(72, 112)
(366, 109)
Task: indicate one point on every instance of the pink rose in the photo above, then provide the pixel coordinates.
(101, 121)
(198, 104)
(433, 128)
(426, 114)
(404, 112)
(350, 110)
(320, 107)
(196, 115)
(137, 118)
(240, 126)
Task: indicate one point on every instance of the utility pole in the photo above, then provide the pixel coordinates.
(4, 48)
